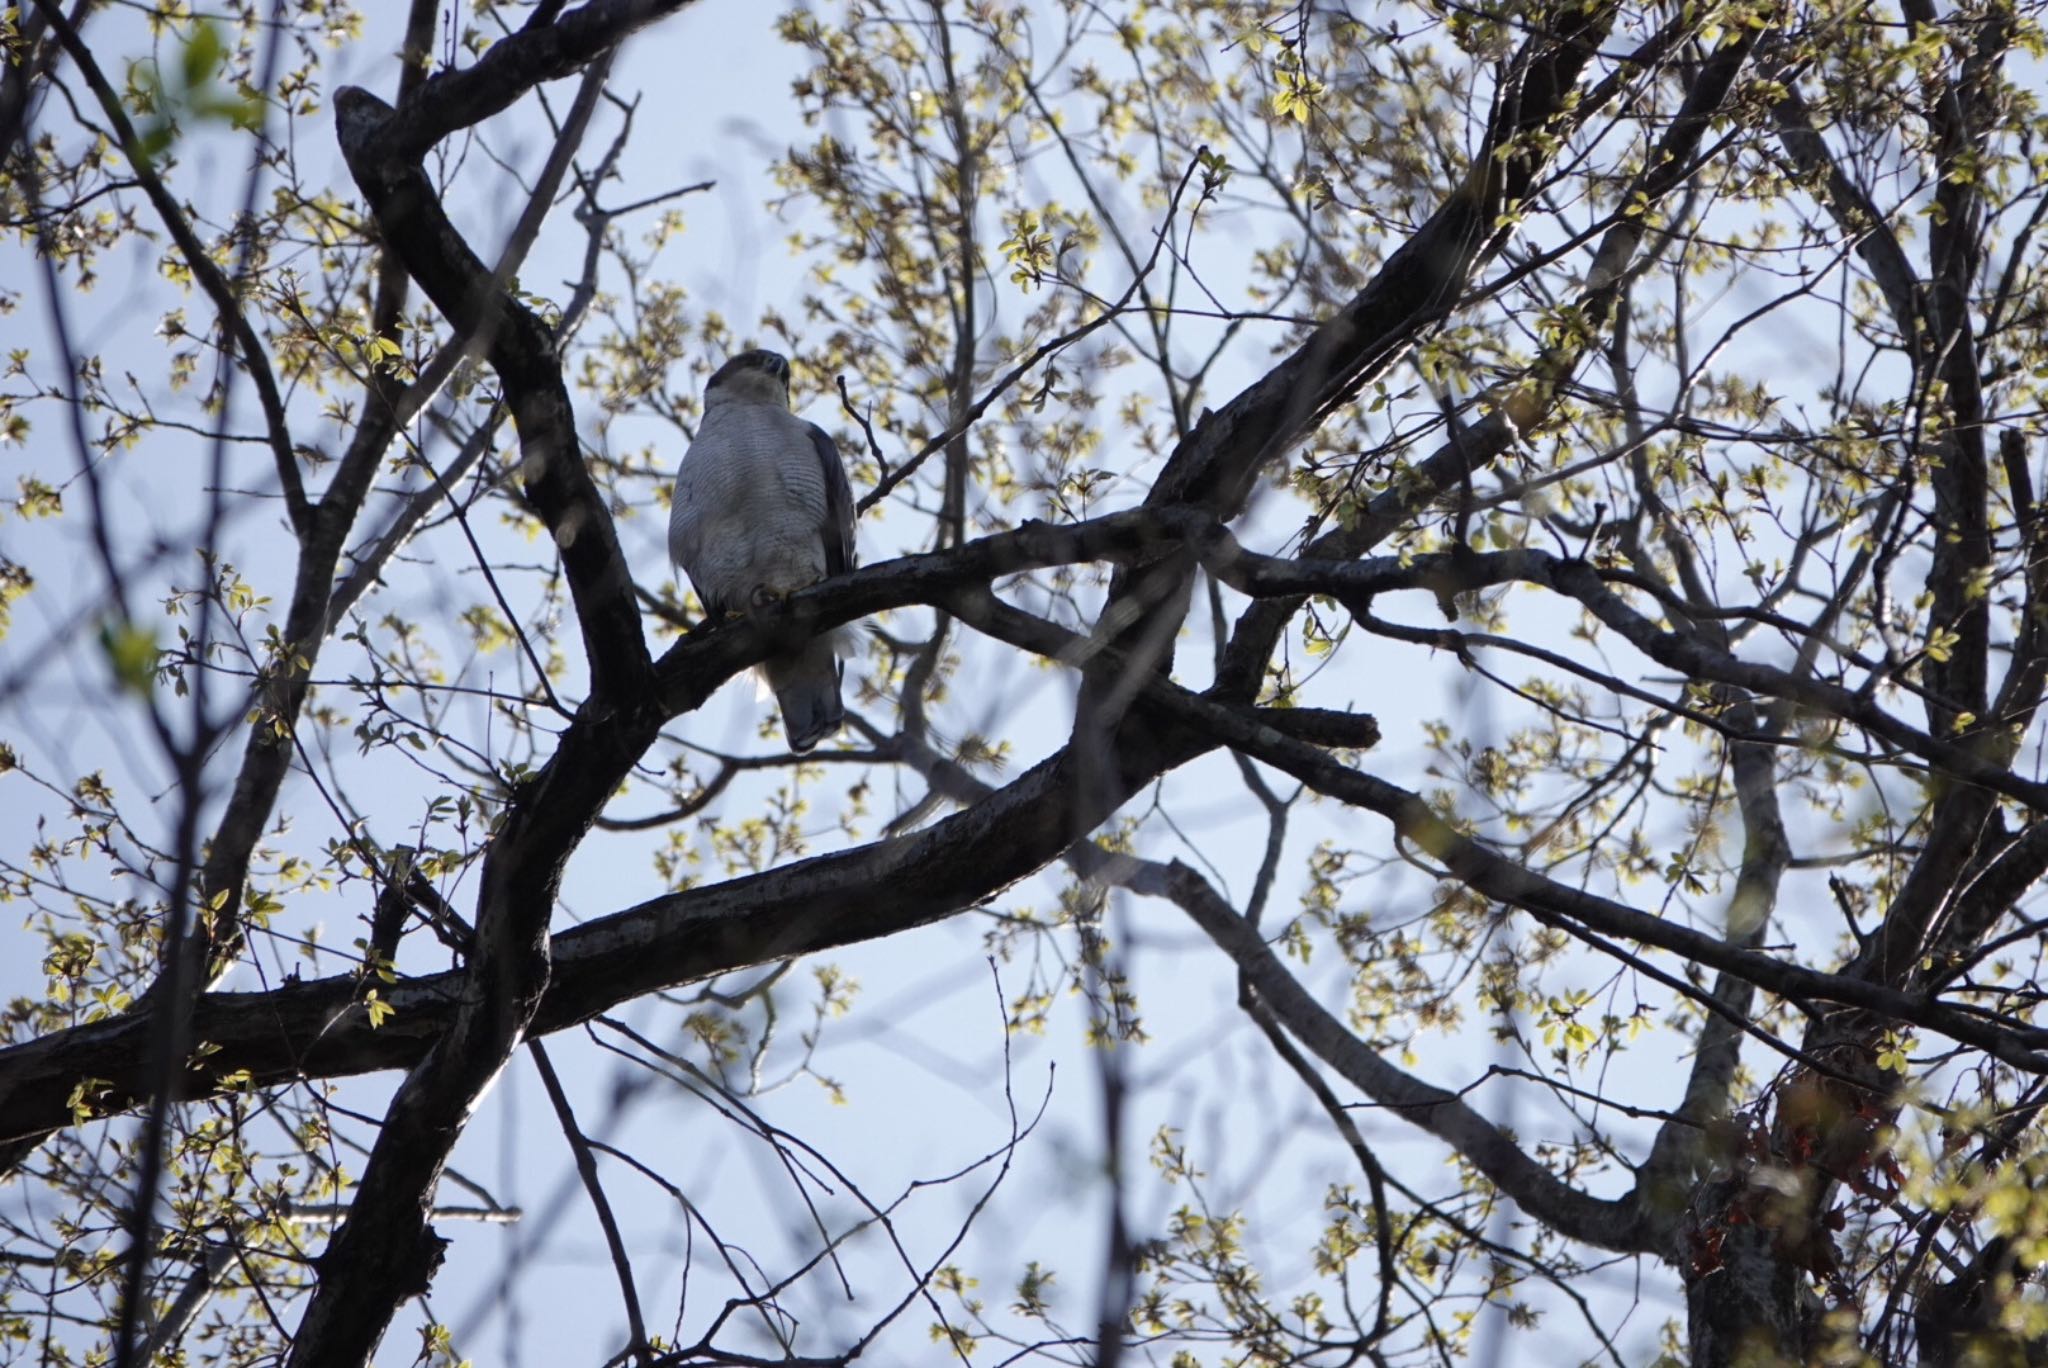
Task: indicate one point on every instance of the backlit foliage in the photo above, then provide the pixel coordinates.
(1656, 453)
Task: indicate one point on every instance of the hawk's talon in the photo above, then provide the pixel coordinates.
(712, 620)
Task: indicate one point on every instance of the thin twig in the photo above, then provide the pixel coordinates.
(586, 1167)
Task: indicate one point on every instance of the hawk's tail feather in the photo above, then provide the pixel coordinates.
(845, 643)
(806, 688)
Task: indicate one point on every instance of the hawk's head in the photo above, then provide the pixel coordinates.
(752, 377)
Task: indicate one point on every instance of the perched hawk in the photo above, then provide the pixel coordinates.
(762, 509)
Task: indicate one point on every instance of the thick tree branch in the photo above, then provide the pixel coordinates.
(1960, 474)
(318, 1029)
(385, 1251)
(1557, 904)
(1215, 466)
(521, 349)
(317, 604)
(1521, 405)
(1609, 1224)
(465, 97)
(1357, 581)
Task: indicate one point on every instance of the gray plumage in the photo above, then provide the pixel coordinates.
(762, 509)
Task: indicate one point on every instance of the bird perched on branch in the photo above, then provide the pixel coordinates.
(762, 509)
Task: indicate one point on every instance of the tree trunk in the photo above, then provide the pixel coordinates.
(1749, 1300)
